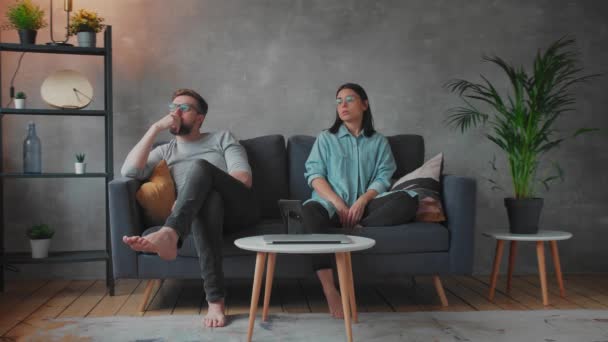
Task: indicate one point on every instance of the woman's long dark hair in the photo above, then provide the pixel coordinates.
(368, 121)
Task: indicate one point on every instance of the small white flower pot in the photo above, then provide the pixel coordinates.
(19, 103)
(80, 168)
(40, 248)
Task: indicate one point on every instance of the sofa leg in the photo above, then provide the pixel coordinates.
(440, 291)
(147, 293)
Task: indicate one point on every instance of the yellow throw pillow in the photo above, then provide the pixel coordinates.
(157, 195)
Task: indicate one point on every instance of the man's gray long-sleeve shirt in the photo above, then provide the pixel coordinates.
(219, 148)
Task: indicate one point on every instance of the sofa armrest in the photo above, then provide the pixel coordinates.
(459, 200)
(124, 220)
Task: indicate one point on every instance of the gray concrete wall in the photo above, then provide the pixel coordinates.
(273, 67)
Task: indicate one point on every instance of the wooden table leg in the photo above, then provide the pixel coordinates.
(495, 268)
(440, 290)
(558, 269)
(512, 249)
(344, 292)
(269, 274)
(351, 292)
(147, 293)
(255, 292)
(540, 254)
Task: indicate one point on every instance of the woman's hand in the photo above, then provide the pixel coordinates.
(342, 211)
(356, 212)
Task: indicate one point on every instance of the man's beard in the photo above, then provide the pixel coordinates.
(183, 130)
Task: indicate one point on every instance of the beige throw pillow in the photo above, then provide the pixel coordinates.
(425, 181)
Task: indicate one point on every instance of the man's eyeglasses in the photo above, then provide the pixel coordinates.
(347, 98)
(184, 107)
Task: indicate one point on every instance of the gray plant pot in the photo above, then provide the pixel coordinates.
(86, 39)
(524, 214)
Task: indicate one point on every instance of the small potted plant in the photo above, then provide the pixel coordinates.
(20, 100)
(85, 25)
(26, 18)
(40, 239)
(80, 165)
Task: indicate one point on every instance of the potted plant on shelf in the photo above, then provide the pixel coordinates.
(80, 165)
(40, 239)
(85, 25)
(20, 100)
(26, 18)
(522, 123)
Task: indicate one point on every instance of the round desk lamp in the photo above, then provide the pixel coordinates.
(67, 89)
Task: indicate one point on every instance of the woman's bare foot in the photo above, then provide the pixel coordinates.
(162, 242)
(334, 301)
(215, 316)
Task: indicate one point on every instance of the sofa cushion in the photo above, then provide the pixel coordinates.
(425, 181)
(298, 149)
(268, 160)
(413, 237)
(408, 150)
(265, 227)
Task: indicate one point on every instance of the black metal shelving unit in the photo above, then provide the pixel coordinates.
(64, 256)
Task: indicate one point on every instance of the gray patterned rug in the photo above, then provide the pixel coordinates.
(494, 326)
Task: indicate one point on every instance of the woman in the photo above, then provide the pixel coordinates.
(349, 166)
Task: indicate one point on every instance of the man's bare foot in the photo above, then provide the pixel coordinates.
(162, 242)
(334, 301)
(215, 316)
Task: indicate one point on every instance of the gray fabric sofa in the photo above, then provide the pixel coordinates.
(278, 172)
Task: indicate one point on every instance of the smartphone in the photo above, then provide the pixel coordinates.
(291, 213)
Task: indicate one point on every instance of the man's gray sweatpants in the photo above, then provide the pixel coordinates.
(211, 203)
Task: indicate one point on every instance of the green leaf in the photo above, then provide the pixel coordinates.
(40, 231)
(583, 131)
(495, 185)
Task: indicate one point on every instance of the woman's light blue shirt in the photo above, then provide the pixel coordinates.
(351, 165)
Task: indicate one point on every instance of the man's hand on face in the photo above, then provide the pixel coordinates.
(171, 122)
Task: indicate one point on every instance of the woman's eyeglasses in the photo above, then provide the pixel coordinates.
(347, 98)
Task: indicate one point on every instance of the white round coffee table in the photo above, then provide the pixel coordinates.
(552, 236)
(343, 261)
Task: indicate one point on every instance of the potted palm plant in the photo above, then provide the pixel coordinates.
(40, 239)
(26, 18)
(522, 122)
(85, 25)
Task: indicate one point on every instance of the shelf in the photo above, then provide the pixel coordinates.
(76, 112)
(70, 50)
(53, 175)
(106, 174)
(56, 257)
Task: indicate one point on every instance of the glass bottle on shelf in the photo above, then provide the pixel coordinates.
(32, 162)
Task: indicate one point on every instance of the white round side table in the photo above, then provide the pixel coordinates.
(343, 261)
(552, 236)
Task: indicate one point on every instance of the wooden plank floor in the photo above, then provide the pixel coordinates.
(27, 305)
